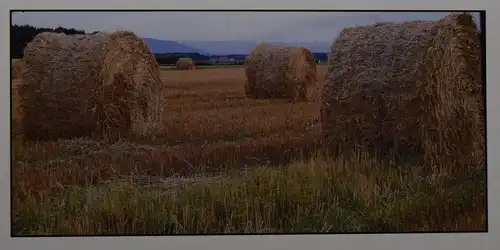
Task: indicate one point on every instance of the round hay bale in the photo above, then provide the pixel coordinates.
(282, 72)
(412, 86)
(17, 67)
(82, 85)
(185, 64)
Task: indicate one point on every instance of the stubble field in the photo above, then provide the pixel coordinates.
(227, 164)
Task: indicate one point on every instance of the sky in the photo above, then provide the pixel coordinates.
(221, 26)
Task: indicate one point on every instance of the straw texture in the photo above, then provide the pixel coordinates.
(82, 85)
(406, 87)
(282, 72)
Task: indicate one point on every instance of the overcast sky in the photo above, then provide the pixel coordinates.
(221, 26)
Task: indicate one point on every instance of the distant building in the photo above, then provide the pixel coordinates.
(223, 59)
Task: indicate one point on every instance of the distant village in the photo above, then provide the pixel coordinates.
(232, 59)
(224, 60)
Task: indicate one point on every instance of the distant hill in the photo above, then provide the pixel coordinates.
(164, 46)
(198, 50)
(203, 50)
(244, 47)
(221, 47)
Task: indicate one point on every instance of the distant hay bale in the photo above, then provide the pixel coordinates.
(82, 85)
(282, 72)
(17, 67)
(412, 86)
(185, 64)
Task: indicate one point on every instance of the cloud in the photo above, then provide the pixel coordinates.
(166, 25)
(218, 26)
(326, 26)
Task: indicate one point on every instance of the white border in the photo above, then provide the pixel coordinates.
(344, 242)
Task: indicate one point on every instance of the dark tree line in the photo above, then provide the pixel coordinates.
(171, 58)
(22, 35)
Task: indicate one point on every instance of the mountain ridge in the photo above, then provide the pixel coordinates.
(158, 46)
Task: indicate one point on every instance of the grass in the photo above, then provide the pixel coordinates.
(227, 164)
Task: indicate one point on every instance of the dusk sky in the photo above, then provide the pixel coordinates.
(221, 26)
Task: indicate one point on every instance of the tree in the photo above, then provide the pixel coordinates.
(20, 36)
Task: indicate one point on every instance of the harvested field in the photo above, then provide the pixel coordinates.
(228, 164)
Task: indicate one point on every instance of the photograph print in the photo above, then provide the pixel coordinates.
(247, 122)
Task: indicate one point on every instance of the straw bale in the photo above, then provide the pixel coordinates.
(282, 72)
(406, 87)
(82, 85)
(142, 105)
(185, 64)
(17, 67)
